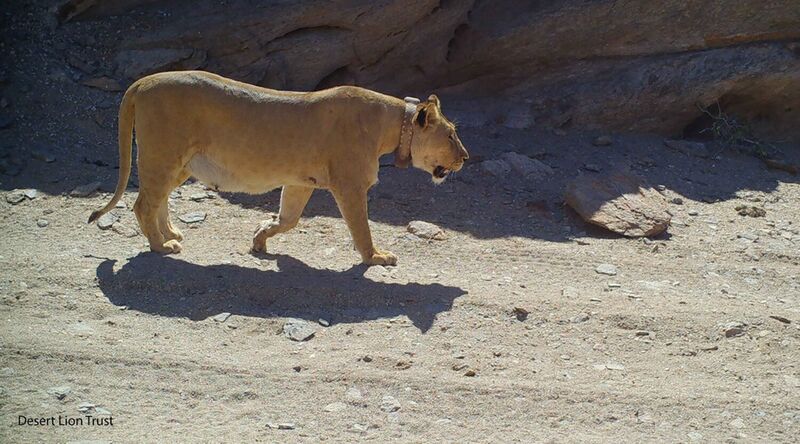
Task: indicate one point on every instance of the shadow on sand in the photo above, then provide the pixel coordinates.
(165, 286)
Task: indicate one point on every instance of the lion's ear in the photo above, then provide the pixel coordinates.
(423, 115)
(428, 112)
(435, 100)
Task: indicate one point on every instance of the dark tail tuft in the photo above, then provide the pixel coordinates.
(95, 215)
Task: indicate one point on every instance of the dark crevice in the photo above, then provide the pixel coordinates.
(360, 14)
(338, 77)
(459, 31)
(309, 30)
(698, 128)
(396, 33)
(737, 114)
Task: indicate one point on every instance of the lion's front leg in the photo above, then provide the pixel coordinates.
(353, 206)
(293, 202)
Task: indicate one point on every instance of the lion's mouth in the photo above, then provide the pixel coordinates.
(440, 172)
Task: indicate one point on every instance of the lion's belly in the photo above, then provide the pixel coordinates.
(220, 178)
(250, 179)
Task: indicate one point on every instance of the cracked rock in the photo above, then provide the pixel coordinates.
(299, 330)
(619, 202)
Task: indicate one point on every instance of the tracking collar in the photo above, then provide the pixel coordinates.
(402, 155)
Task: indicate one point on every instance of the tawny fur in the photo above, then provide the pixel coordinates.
(238, 137)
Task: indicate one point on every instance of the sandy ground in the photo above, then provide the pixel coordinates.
(502, 332)
(630, 357)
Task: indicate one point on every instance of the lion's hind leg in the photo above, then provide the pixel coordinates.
(151, 209)
(147, 208)
(164, 223)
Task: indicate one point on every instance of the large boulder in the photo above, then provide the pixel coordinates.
(620, 202)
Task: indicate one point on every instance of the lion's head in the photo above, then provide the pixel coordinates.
(436, 147)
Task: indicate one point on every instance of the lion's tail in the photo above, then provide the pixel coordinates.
(126, 112)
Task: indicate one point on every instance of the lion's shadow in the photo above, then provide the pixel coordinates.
(165, 286)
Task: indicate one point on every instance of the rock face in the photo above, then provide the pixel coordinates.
(619, 202)
(647, 68)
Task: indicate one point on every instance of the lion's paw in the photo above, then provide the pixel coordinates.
(169, 247)
(259, 245)
(382, 258)
(264, 231)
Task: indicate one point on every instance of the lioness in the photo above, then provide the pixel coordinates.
(238, 137)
